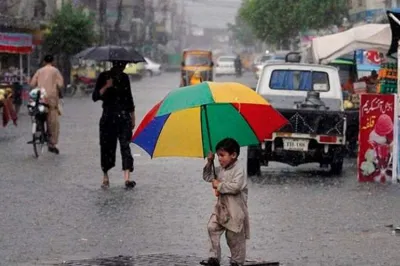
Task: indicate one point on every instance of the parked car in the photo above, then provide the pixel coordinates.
(256, 62)
(152, 68)
(278, 56)
(270, 61)
(135, 71)
(225, 65)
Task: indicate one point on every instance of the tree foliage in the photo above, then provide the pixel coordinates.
(279, 20)
(71, 30)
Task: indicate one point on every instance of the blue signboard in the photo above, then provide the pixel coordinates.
(360, 57)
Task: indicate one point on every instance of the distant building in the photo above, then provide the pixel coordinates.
(369, 11)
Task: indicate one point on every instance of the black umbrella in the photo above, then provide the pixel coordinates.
(84, 52)
(111, 53)
(394, 18)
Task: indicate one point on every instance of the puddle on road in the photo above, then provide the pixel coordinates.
(295, 176)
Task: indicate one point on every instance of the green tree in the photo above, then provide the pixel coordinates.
(277, 21)
(70, 31)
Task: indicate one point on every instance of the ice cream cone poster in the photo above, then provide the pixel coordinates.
(378, 126)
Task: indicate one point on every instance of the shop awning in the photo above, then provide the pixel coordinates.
(15, 43)
(367, 37)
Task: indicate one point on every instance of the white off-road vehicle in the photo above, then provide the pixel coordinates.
(310, 97)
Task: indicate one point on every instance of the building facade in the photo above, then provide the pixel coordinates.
(370, 11)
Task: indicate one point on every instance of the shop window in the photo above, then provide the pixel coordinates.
(39, 10)
(350, 3)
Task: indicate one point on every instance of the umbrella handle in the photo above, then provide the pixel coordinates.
(216, 192)
(204, 107)
(213, 169)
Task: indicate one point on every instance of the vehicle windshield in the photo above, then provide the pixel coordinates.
(280, 57)
(299, 80)
(197, 60)
(226, 59)
(265, 58)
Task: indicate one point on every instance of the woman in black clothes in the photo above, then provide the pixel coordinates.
(117, 121)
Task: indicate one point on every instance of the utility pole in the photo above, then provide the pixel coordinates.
(182, 26)
(102, 7)
(173, 16)
(164, 10)
(117, 25)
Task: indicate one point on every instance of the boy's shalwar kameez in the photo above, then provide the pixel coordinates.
(230, 213)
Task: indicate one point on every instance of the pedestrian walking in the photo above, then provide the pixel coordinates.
(230, 213)
(49, 78)
(117, 121)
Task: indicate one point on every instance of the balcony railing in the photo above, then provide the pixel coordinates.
(20, 23)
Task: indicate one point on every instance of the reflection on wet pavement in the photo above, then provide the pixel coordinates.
(154, 260)
(54, 210)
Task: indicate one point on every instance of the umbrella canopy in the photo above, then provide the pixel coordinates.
(191, 120)
(366, 37)
(111, 53)
(84, 52)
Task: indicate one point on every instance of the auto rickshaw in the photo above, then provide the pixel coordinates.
(197, 62)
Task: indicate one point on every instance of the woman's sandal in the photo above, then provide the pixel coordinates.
(106, 184)
(130, 184)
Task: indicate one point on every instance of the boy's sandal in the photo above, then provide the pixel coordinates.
(130, 184)
(210, 262)
(105, 184)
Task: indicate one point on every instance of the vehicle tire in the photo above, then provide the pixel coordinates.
(70, 90)
(352, 141)
(38, 139)
(35, 146)
(253, 167)
(88, 89)
(337, 167)
(149, 73)
(352, 149)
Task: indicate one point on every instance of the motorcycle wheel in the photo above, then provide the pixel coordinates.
(70, 90)
(89, 89)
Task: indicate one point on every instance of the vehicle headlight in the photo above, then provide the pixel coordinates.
(41, 108)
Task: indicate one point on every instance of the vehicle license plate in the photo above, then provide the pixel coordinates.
(295, 144)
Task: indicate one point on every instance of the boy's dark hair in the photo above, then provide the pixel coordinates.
(229, 145)
(48, 59)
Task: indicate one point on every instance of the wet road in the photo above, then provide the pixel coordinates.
(53, 209)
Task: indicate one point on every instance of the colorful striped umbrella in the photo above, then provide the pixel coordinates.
(191, 120)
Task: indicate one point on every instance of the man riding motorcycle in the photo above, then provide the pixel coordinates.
(238, 66)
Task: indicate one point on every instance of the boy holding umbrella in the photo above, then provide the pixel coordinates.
(230, 213)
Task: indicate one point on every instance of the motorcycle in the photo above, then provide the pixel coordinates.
(84, 84)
